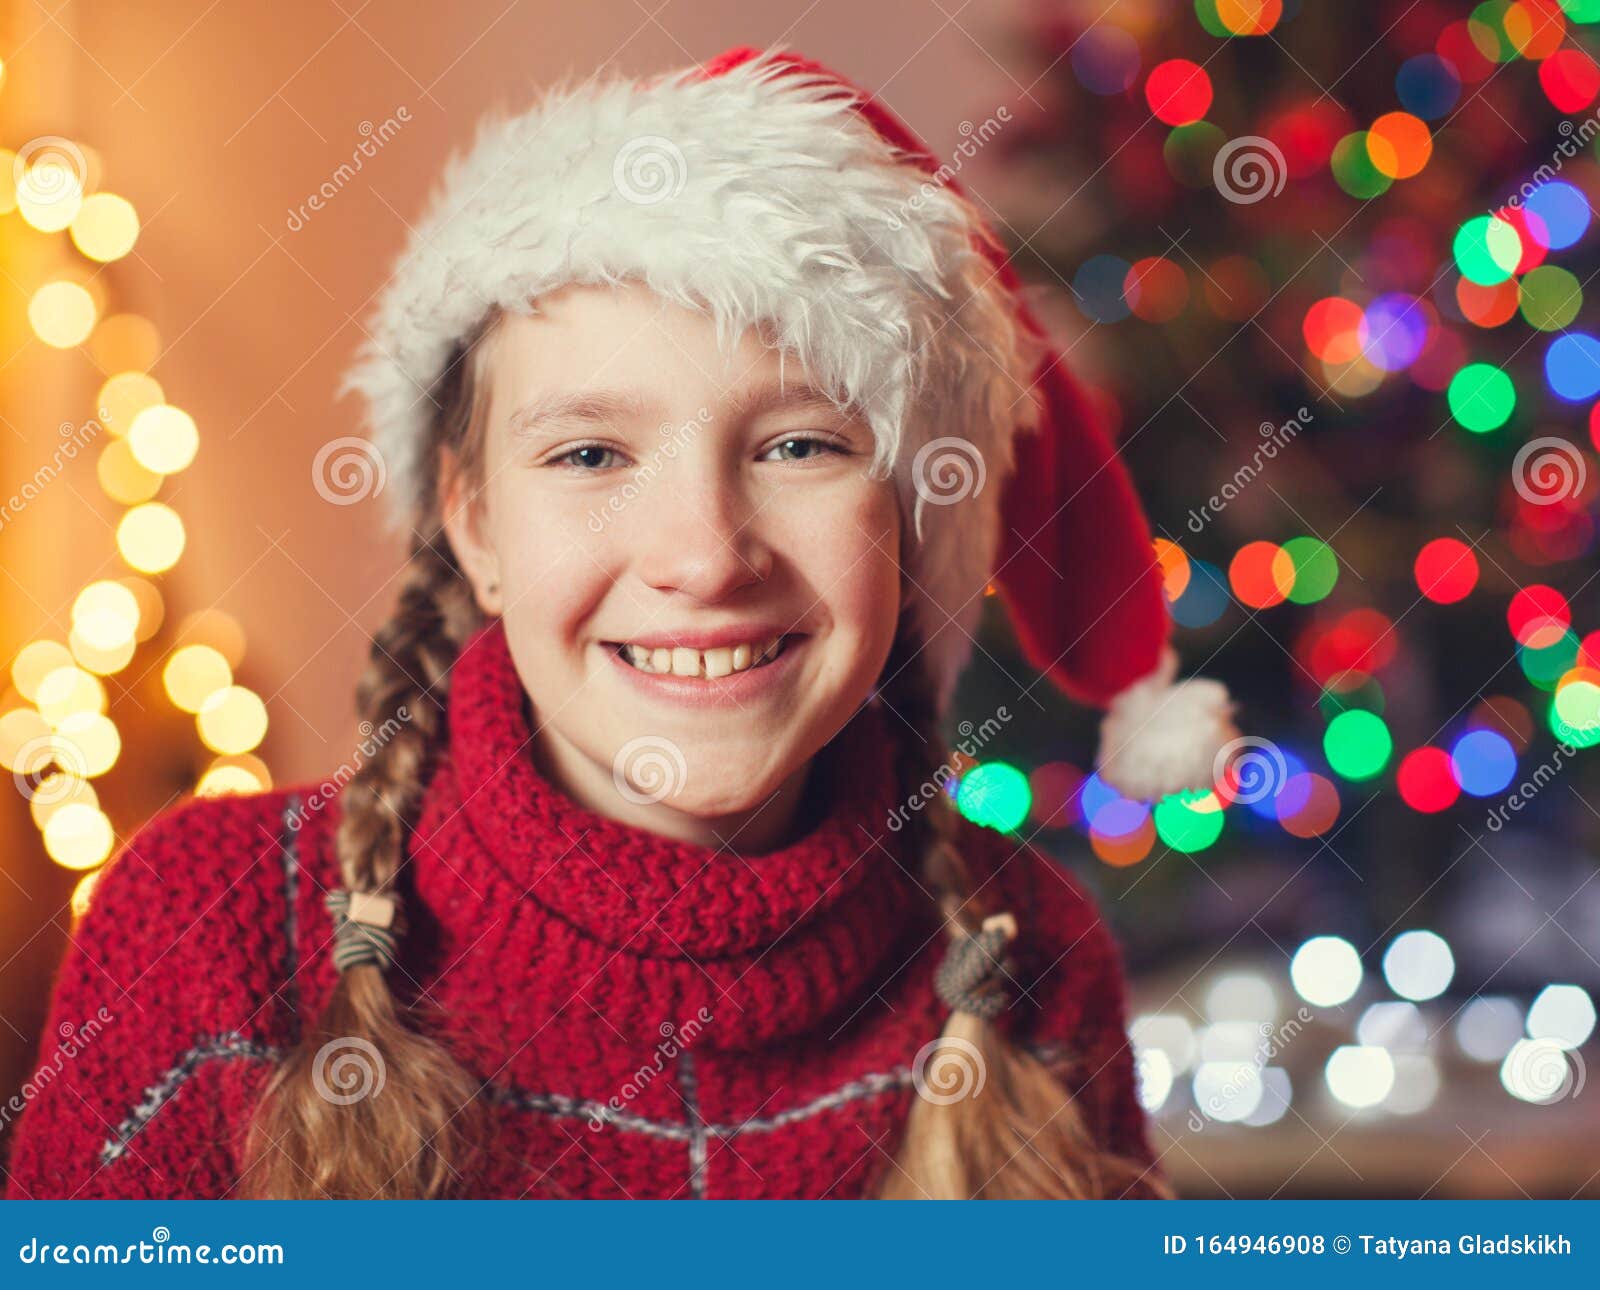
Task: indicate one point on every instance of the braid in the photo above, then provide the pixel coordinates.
(1021, 1135)
(410, 1135)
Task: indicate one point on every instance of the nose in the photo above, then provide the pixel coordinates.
(703, 540)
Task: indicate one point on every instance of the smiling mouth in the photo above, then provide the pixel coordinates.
(704, 664)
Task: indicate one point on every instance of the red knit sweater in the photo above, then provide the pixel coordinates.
(651, 1018)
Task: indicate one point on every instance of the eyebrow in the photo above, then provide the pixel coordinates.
(600, 407)
(595, 407)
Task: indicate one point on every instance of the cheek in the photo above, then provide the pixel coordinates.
(846, 546)
(551, 573)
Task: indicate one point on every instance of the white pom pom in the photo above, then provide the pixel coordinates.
(1160, 738)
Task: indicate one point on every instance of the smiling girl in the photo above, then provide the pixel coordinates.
(711, 411)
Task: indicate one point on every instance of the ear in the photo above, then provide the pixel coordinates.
(462, 511)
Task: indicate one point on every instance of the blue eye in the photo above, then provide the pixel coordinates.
(584, 457)
(803, 442)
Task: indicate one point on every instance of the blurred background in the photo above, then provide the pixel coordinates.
(1324, 267)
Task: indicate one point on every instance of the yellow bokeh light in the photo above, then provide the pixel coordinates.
(150, 537)
(248, 763)
(79, 836)
(62, 314)
(221, 780)
(151, 608)
(164, 439)
(125, 342)
(90, 743)
(122, 478)
(124, 396)
(83, 893)
(56, 789)
(105, 614)
(104, 662)
(232, 720)
(105, 227)
(22, 732)
(68, 690)
(50, 194)
(193, 674)
(34, 662)
(216, 628)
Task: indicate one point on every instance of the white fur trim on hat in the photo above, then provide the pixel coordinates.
(758, 195)
(1158, 737)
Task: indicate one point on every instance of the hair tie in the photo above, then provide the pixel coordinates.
(970, 977)
(366, 928)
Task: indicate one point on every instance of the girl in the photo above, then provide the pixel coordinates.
(711, 410)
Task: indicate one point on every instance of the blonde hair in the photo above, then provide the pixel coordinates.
(421, 1134)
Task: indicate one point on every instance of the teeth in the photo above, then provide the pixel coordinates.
(712, 663)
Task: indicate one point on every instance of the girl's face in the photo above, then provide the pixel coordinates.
(655, 512)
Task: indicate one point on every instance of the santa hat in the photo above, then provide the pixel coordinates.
(768, 190)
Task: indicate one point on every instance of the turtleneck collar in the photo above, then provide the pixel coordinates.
(784, 937)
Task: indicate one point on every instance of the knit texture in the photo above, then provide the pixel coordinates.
(650, 1018)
